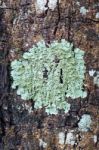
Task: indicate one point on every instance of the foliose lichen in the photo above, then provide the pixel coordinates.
(49, 75)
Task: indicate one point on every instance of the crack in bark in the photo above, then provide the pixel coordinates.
(5, 105)
(56, 26)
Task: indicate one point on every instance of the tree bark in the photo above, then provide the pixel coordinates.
(21, 26)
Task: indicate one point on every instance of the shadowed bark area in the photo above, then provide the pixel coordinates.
(22, 127)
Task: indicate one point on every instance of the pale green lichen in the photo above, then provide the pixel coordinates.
(49, 75)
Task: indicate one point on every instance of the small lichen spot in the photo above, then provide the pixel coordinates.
(83, 10)
(84, 123)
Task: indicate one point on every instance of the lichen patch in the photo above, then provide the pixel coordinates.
(49, 75)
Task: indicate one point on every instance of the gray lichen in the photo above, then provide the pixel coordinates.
(52, 4)
(49, 75)
(83, 10)
(70, 139)
(41, 5)
(85, 122)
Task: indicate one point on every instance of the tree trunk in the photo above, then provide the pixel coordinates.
(22, 24)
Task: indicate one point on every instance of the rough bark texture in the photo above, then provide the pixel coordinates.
(21, 27)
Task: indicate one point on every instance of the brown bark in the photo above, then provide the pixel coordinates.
(21, 27)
